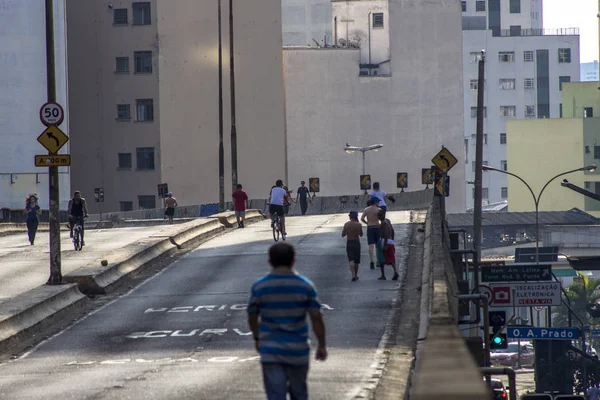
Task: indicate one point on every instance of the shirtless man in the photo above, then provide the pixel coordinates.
(170, 204)
(353, 231)
(369, 217)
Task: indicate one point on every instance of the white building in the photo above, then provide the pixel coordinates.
(589, 71)
(306, 22)
(404, 94)
(22, 93)
(525, 68)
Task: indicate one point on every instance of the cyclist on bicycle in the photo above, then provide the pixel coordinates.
(276, 201)
(77, 210)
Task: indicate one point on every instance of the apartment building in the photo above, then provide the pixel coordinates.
(306, 22)
(23, 86)
(144, 91)
(526, 66)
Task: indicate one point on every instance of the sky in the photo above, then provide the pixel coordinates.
(580, 14)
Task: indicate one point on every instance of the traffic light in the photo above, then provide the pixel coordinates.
(497, 320)
(99, 195)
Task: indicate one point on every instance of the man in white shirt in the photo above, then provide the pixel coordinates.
(381, 195)
(276, 199)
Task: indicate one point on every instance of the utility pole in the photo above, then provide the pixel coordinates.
(221, 151)
(53, 183)
(478, 162)
(234, 166)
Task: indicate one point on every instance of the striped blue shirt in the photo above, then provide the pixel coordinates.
(282, 300)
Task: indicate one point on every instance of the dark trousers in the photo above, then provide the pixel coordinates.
(32, 226)
(303, 206)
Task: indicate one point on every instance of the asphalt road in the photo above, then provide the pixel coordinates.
(182, 334)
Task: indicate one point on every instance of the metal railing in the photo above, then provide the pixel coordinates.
(540, 32)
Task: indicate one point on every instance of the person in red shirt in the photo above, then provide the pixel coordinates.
(240, 204)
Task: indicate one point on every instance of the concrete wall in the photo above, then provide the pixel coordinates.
(22, 93)
(537, 151)
(494, 151)
(412, 113)
(305, 20)
(579, 95)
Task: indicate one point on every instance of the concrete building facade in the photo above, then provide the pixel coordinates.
(23, 90)
(589, 71)
(560, 152)
(413, 110)
(145, 98)
(306, 22)
(581, 100)
(526, 66)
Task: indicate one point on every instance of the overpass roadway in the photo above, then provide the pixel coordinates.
(182, 333)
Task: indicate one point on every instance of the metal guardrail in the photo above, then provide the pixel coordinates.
(540, 32)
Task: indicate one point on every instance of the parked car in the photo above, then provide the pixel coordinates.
(498, 389)
(509, 357)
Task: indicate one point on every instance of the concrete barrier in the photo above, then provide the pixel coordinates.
(229, 220)
(27, 314)
(442, 356)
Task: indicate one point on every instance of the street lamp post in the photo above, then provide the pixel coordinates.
(353, 149)
(536, 200)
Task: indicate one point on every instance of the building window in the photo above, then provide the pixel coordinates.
(474, 112)
(144, 158)
(122, 65)
(124, 160)
(564, 55)
(143, 62)
(377, 20)
(588, 112)
(504, 192)
(485, 193)
(120, 16)
(124, 111)
(506, 56)
(597, 187)
(503, 165)
(474, 138)
(530, 111)
(463, 5)
(560, 110)
(588, 185)
(146, 202)
(144, 109)
(507, 84)
(563, 79)
(515, 6)
(466, 151)
(474, 84)
(596, 152)
(474, 56)
(126, 205)
(508, 111)
(529, 83)
(503, 138)
(528, 56)
(141, 13)
(479, 5)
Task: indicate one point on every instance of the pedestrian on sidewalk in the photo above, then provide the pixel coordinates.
(353, 231)
(303, 195)
(369, 218)
(277, 309)
(386, 249)
(170, 204)
(33, 211)
(240, 204)
(381, 196)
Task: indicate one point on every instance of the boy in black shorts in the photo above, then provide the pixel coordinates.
(353, 231)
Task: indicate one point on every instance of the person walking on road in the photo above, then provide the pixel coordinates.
(170, 204)
(386, 250)
(303, 195)
(381, 196)
(353, 231)
(369, 217)
(240, 204)
(277, 309)
(33, 211)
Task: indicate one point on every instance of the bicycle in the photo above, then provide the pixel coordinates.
(77, 233)
(277, 228)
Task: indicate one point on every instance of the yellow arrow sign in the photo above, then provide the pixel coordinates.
(53, 139)
(402, 180)
(60, 160)
(444, 160)
(439, 186)
(365, 182)
(426, 176)
(314, 185)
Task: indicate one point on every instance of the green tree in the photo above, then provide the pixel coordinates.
(581, 292)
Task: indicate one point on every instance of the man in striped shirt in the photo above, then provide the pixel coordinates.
(277, 309)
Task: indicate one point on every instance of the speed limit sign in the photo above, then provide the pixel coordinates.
(52, 114)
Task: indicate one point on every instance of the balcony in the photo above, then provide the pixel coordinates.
(539, 32)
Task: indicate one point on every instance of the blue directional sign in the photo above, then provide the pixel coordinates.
(595, 332)
(543, 333)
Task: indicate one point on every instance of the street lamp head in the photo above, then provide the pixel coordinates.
(349, 151)
(590, 168)
(486, 167)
